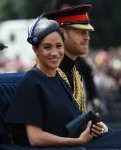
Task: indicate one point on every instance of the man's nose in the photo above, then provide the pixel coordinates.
(87, 37)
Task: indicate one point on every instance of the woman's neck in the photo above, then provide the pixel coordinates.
(47, 72)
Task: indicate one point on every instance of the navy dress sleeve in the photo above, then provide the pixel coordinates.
(26, 108)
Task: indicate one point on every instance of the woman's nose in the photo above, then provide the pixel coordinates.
(54, 51)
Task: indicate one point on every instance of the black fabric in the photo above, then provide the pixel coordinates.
(35, 102)
(67, 67)
(84, 70)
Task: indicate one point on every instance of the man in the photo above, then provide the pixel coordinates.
(75, 25)
(92, 96)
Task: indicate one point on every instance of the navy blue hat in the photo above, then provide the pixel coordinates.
(75, 17)
(40, 28)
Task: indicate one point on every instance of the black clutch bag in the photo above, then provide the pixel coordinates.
(78, 125)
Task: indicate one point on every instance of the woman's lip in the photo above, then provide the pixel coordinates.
(54, 59)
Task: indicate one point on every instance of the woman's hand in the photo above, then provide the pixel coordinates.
(86, 135)
(98, 129)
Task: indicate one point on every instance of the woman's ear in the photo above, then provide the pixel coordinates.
(34, 49)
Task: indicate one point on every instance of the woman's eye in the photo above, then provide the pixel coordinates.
(59, 46)
(47, 47)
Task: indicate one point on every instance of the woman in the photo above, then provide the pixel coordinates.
(43, 103)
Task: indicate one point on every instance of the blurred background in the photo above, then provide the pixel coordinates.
(104, 53)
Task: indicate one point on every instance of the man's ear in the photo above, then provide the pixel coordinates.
(64, 32)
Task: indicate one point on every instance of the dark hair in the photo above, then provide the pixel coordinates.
(61, 34)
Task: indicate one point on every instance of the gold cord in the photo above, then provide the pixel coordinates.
(78, 88)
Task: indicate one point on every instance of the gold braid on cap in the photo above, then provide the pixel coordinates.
(78, 87)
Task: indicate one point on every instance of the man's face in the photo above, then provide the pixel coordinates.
(76, 42)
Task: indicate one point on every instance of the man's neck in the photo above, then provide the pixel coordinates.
(72, 57)
(67, 64)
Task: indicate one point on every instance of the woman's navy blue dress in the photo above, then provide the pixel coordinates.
(43, 101)
(47, 102)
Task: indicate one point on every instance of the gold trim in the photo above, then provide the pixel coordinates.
(83, 27)
(78, 88)
(63, 75)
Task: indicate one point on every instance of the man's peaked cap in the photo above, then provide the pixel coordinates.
(75, 17)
